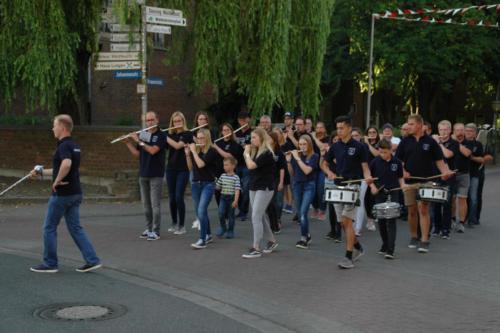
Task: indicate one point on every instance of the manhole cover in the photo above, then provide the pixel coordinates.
(80, 312)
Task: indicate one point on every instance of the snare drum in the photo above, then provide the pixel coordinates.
(342, 194)
(432, 192)
(386, 210)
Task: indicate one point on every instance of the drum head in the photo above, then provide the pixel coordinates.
(369, 203)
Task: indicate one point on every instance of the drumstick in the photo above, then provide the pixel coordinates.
(123, 137)
(357, 180)
(173, 127)
(194, 129)
(443, 174)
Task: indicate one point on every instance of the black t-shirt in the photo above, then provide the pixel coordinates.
(462, 163)
(347, 158)
(369, 155)
(243, 138)
(477, 151)
(419, 157)
(280, 160)
(453, 146)
(231, 147)
(387, 172)
(67, 149)
(263, 177)
(283, 150)
(153, 165)
(177, 157)
(208, 172)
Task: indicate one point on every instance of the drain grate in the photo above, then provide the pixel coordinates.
(80, 312)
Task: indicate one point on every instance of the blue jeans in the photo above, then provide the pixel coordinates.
(244, 201)
(226, 211)
(472, 204)
(176, 183)
(319, 202)
(69, 207)
(303, 193)
(278, 202)
(202, 195)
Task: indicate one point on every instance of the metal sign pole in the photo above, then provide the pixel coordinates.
(370, 75)
(144, 65)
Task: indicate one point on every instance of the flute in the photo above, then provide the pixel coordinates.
(173, 127)
(123, 137)
(194, 129)
(227, 135)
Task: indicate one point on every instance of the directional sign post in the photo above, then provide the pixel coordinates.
(125, 37)
(159, 29)
(117, 56)
(125, 47)
(115, 65)
(167, 20)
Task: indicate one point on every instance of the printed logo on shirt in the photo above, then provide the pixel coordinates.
(351, 151)
(154, 139)
(474, 149)
(76, 150)
(426, 146)
(394, 167)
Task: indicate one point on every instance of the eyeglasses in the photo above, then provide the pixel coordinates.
(177, 120)
(150, 119)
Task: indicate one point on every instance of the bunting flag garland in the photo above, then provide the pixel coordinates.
(403, 15)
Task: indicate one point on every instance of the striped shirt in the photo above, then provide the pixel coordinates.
(228, 184)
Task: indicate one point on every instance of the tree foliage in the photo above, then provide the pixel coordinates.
(39, 41)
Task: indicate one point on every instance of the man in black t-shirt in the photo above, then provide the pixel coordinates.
(65, 200)
(462, 164)
(442, 212)
(422, 157)
(150, 147)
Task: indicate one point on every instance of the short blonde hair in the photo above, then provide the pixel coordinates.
(66, 121)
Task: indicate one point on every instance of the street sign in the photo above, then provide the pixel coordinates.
(124, 37)
(122, 28)
(125, 47)
(155, 11)
(156, 81)
(141, 88)
(117, 56)
(114, 65)
(119, 75)
(159, 29)
(167, 20)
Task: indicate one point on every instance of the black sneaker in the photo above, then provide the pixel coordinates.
(295, 218)
(389, 256)
(413, 243)
(271, 246)
(301, 244)
(252, 254)
(44, 269)
(423, 247)
(309, 240)
(88, 267)
(337, 240)
(382, 251)
(356, 254)
(330, 236)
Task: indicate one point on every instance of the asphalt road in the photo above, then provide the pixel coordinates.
(167, 286)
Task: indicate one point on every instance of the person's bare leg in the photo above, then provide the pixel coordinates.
(413, 220)
(425, 221)
(462, 208)
(349, 233)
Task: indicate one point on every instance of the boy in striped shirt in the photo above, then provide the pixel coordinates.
(230, 187)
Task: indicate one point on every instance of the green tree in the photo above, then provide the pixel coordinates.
(44, 49)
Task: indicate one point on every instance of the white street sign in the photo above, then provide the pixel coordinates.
(141, 88)
(167, 20)
(124, 37)
(116, 56)
(117, 65)
(159, 29)
(122, 28)
(125, 47)
(163, 12)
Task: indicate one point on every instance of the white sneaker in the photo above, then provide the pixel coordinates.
(180, 231)
(371, 226)
(144, 234)
(173, 228)
(196, 224)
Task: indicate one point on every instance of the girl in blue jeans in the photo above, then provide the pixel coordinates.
(177, 173)
(201, 159)
(303, 166)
